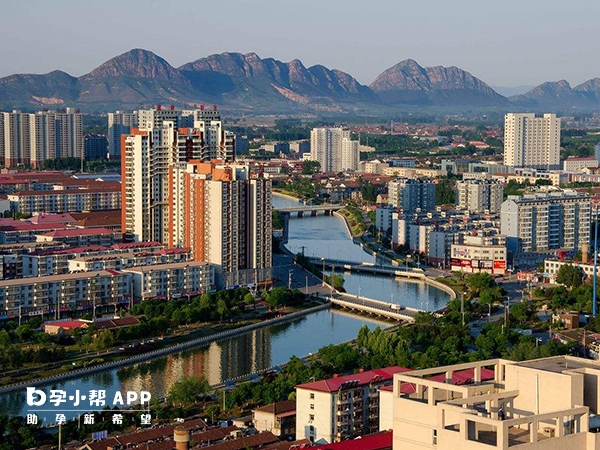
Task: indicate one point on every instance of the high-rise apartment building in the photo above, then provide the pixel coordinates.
(180, 187)
(147, 154)
(119, 123)
(223, 213)
(32, 138)
(334, 149)
(531, 141)
(546, 221)
(479, 195)
(411, 194)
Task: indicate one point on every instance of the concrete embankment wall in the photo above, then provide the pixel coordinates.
(162, 352)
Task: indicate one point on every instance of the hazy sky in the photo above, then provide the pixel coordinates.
(508, 43)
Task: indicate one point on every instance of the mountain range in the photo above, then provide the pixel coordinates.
(246, 83)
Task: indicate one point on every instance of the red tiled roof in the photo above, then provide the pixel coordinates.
(23, 226)
(379, 441)
(68, 325)
(69, 251)
(363, 378)
(245, 442)
(81, 232)
(127, 245)
(51, 218)
(279, 407)
(67, 191)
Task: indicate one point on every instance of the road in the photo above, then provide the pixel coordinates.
(287, 272)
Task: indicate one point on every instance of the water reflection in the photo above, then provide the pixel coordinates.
(327, 236)
(250, 352)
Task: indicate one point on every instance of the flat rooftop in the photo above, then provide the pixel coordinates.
(559, 364)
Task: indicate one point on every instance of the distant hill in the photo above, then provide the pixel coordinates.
(407, 83)
(247, 83)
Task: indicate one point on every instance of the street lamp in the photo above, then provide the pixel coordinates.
(323, 273)
(406, 261)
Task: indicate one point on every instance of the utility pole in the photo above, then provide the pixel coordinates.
(462, 308)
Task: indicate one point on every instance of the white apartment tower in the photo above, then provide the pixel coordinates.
(119, 123)
(32, 138)
(479, 196)
(334, 149)
(531, 141)
(544, 222)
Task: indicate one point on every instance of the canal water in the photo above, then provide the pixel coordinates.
(327, 236)
(259, 349)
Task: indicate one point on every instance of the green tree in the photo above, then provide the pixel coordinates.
(104, 340)
(569, 275)
(369, 193)
(4, 338)
(222, 308)
(310, 167)
(25, 332)
(444, 192)
(186, 391)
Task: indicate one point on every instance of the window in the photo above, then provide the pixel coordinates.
(311, 417)
(312, 406)
(312, 395)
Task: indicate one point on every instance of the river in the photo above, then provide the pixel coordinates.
(327, 236)
(264, 348)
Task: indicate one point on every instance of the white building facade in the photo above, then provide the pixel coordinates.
(531, 141)
(334, 149)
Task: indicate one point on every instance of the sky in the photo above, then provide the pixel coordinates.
(508, 43)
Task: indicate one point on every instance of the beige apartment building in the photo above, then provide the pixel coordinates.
(531, 141)
(58, 201)
(66, 292)
(171, 280)
(544, 404)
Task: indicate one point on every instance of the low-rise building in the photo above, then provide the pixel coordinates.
(53, 295)
(171, 280)
(552, 266)
(279, 418)
(577, 164)
(79, 237)
(57, 201)
(341, 408)
(479, 254)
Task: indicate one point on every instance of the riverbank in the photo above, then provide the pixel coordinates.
(162, 352)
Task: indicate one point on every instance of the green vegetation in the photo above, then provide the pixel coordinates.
(369, 193)
(186, 391)
(577, 143)
(280, 297)
(336, 280)
(311, 167)
(302, 188)
(207, 307)
(355, 220)
(570, 276)
(278, 221)
(445, 193)
(396, 144)
(74, 164)
(515, 188)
